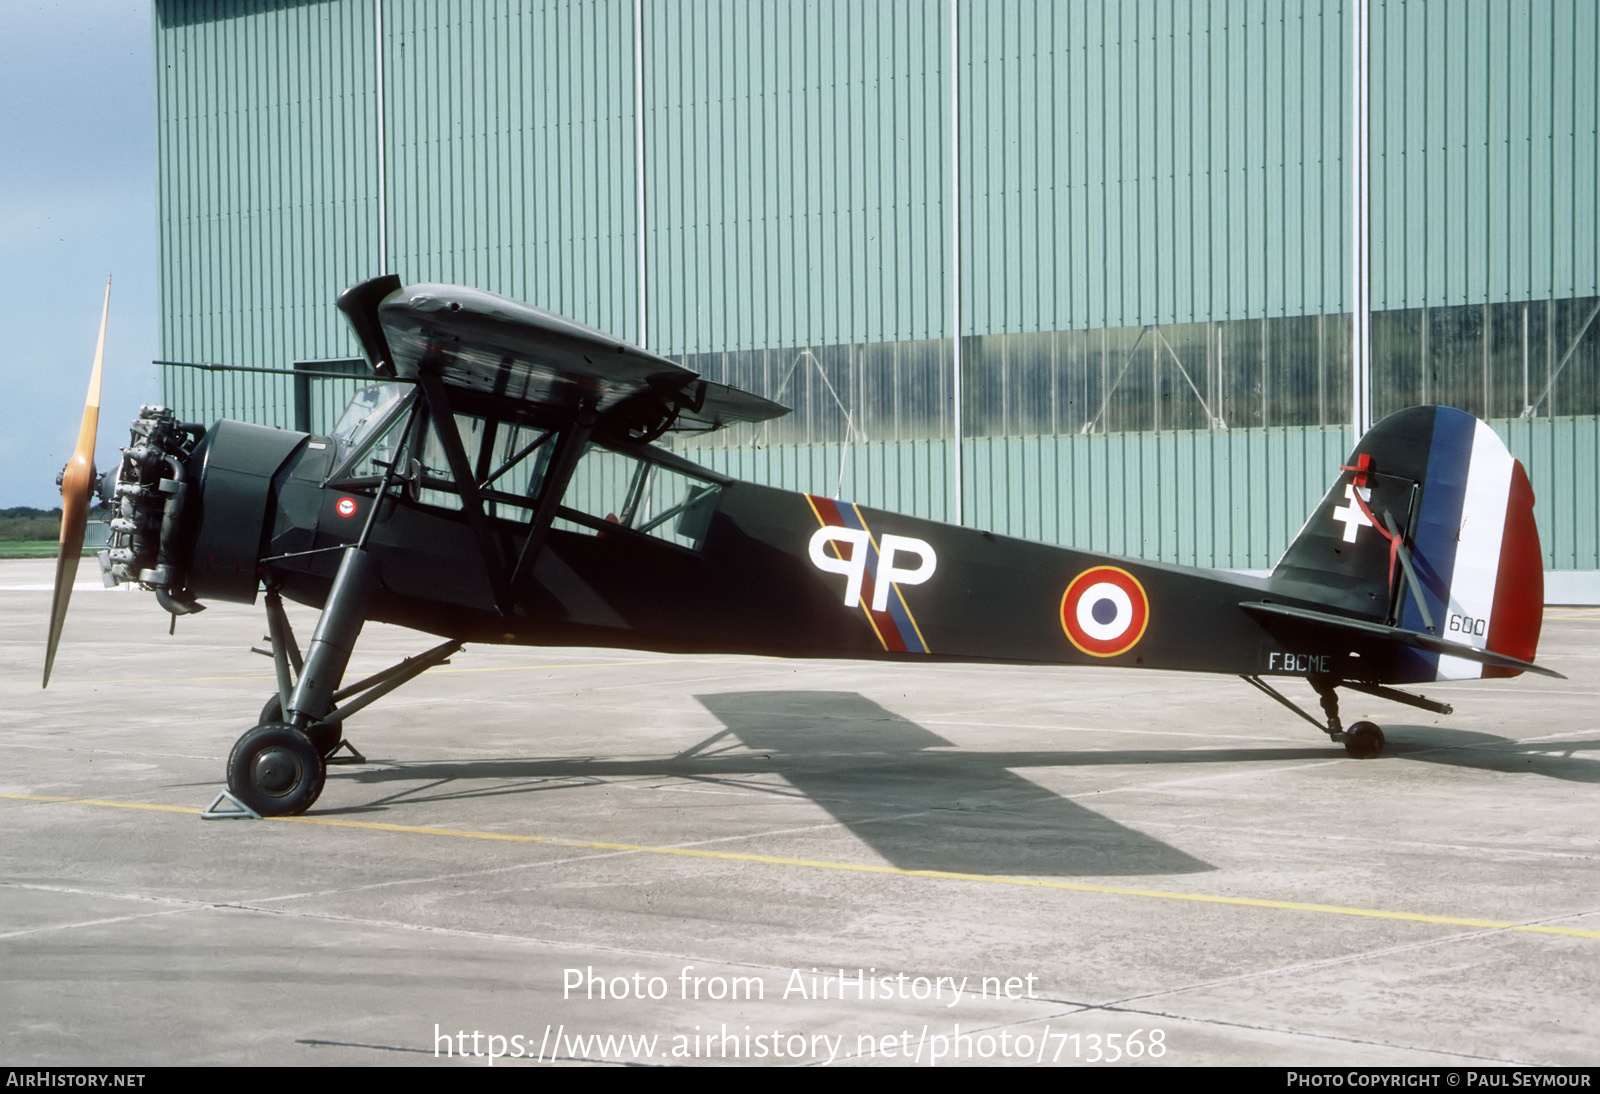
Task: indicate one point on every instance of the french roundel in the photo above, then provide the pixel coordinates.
(1105, 611)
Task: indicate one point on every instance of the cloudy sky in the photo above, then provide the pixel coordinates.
(77, 204)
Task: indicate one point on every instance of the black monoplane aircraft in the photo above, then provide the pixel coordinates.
(498, 482)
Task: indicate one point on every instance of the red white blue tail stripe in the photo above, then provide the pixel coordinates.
(1475, 550)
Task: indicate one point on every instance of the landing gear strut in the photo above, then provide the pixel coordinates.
(278, 768)
(1364, 740)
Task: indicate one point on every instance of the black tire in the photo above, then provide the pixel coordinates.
(276, 770)
(271, 711)
(1364, 741)
(325, 738)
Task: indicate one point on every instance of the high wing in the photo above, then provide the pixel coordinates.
(494, 352)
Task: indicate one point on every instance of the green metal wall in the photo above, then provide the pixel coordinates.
(509, 150)
(1194, 497)
(1151, 162)
(807, 224)
(1484, 150)
(1121, 164)
(798, 173)
(267, 176)
(1562, 456)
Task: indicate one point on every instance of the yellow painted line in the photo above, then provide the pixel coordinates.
(96, 801)
(142, 680)
(869, 868)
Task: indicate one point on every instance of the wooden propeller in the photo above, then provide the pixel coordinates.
(77, 487)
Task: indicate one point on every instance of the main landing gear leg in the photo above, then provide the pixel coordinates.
(1364, 740)
(278, 768)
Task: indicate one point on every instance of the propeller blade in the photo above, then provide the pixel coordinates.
(77, 484)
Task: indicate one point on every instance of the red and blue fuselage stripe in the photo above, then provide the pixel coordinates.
(895, 626)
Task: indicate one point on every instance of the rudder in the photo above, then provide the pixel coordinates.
(1463, 510)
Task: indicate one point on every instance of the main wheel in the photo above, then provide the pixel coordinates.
(1364, 741)
(326, 738)
(276, 770)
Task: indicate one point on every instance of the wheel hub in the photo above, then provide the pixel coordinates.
(275, 771)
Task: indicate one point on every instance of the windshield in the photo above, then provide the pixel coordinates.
(369, 410)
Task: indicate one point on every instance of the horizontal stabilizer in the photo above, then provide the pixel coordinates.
(1415, 639)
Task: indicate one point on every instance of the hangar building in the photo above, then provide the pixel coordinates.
(1125, 275)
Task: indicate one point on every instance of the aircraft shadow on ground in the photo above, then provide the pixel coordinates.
(921, 802)
(1479, 751)
(876, 773)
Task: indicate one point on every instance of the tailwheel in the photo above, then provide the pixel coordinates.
(1364, 740)
(276, 770)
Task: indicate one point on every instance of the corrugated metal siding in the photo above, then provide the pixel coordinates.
(268, 397)
(1484, 151)
(903, 477)
(267, 168)
(1230, 500)
(1561, 455)
(203, 395)
(797, 190)
(1152, 162)
(1124, 163)
(510, 151)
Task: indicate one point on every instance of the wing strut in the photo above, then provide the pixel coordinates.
(569, 447)
(444, 425)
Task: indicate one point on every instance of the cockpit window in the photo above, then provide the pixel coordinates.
(617, 488)
(372, 411)
(608, 488)
(507, 459)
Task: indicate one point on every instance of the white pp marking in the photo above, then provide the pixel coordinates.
(890, 574)
(1352, 516)
(1105, 590)
(854, 564)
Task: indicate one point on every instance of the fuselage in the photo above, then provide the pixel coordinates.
(744, 568)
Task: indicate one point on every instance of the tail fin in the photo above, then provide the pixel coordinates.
(1429, 529)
